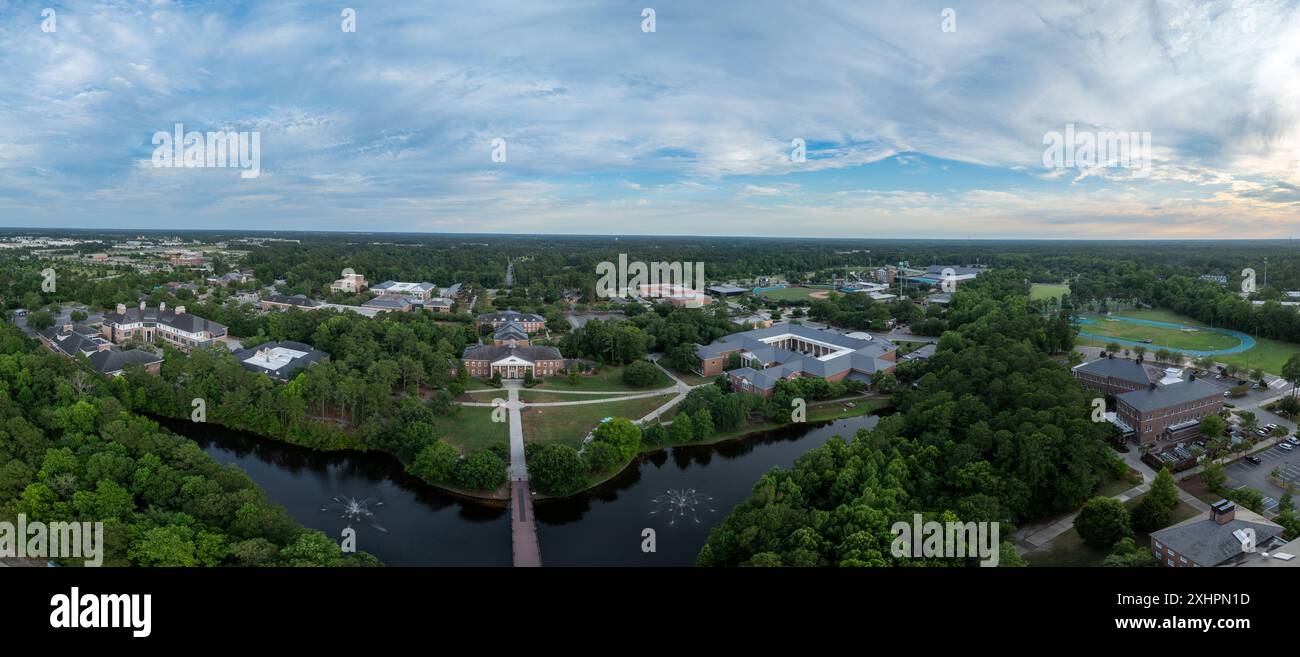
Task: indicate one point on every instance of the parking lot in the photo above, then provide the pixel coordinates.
(1245, 473)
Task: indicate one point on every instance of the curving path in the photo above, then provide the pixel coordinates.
(523, 529)
(1245, 342)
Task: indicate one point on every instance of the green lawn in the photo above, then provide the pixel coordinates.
(790, 294)
(1039, 291)
(906, 347)
(1267, 354)
(607, 379)
(570, 424)
(472, 429)
(691, 378)
(1069, 550)
(541, 395)
(1161, 337)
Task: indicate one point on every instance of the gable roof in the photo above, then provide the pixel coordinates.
(530, 353)
(186, 321)
(295, 300)
(510, 315)
(112, 361)
(1147, 399)
(1116, 368)
(1209, 543)
(510, 330)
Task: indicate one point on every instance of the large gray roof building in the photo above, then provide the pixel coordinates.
(785, 351)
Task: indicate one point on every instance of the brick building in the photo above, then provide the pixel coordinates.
(1113, 376)
(1167, 412)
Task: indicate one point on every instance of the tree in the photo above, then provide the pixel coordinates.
(620, 434)
(1102, 522)
(574, 376)
(682, 430)
(556, 469)
(885, 382)
(1163, 489)
(703, 424)
(1128, 555)
(1151, 514)
(1291, 372)
(1212, 427)
(1214, 477)
(40, 320)
(481, 471)
(601, 457)
(435, 463)
(640, 374)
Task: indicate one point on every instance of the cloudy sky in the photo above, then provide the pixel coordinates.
(917, 122)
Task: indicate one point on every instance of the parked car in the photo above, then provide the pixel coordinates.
(1293, 440)
(1254, 459)
(1218, 377)
(1286, 446)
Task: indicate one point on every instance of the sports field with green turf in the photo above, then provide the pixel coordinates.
(790, 293)
(1039, 291)
(1267, 354)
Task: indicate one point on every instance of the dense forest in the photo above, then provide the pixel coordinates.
(71, 451)
(995, 430)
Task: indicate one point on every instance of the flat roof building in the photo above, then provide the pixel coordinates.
(280, 360)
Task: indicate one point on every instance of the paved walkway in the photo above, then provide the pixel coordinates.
(523, 531)
(1040, 536)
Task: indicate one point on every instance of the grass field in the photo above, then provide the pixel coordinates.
(790, 294)
(472, 429)
(1039, 291)
(608, 379)
(570, 424)
(1160, 336)
(1267, 354)
(541, 395)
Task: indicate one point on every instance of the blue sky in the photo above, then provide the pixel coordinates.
(911, 130)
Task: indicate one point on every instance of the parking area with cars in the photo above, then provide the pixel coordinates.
(1254, 470)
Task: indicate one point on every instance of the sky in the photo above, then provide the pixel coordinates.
(918, 119)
